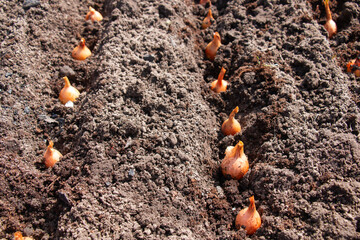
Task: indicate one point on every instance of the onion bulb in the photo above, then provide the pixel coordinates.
(231, 126)
(354, 66)
(235, 164)
(204, 1)
(19, 236)
(213, 46)
(330, 25)
(219, 85)
(51, 155)
(93, 15)
(81, 52)
(249, 218)
(68, 93)
(207, 20)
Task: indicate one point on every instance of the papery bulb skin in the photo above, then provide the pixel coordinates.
(204, 1)
(231, 126)
(18, 236)
(354, 66)
(219, 85)
(51, 155)
(330, 25)
(331, 28)
(349, 65)
(235, 163)
(68, 93)
(208, 20)
(213, 46)
(357, 72)
(249, 218)
(81, 52)
(93, 15)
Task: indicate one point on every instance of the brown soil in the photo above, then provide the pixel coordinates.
(142, 145)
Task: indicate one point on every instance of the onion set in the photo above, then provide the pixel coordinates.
(81, 52)
(330, 25)
(18, 236)
(204, 1)
(219, 85)
(68, 93)
(235, 164)
(231, 126)
(213, 46)
(51, 155)
(208, 20)
(93, 15)
(354, 66)
(249, 218)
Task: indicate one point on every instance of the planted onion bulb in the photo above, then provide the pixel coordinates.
(235, 164)
(51, 155)
(208, 20)
(81, 52)
(204, 1)
(249, 218)
(354, 66)
(231, 126)
(330, 25)
(213, 46)
(19, 236)
(219, 85)
(68, 93)
(93, 15)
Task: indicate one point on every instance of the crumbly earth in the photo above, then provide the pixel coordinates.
(142, 145)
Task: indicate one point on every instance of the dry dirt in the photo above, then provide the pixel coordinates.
(142, 145)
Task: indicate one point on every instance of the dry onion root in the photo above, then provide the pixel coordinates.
(213, 46)
(93, 15)
(219, 85)
(68, 93)
(330, 25)
(235, 164)
(249, 218)
(354, 66)
(208, 20)
(51, 155)
(81, 52)
(231, 126)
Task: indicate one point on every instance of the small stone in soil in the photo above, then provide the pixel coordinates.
(27, 110)
(165, 11)
(30, 3)
(172, 140)
(128, 143)
(8, 74)
(131, 173)
(29, 231)
(66, 71)
(69, 104)
(63, 197)
(220, 191)
(47, 119)
(149, 57)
